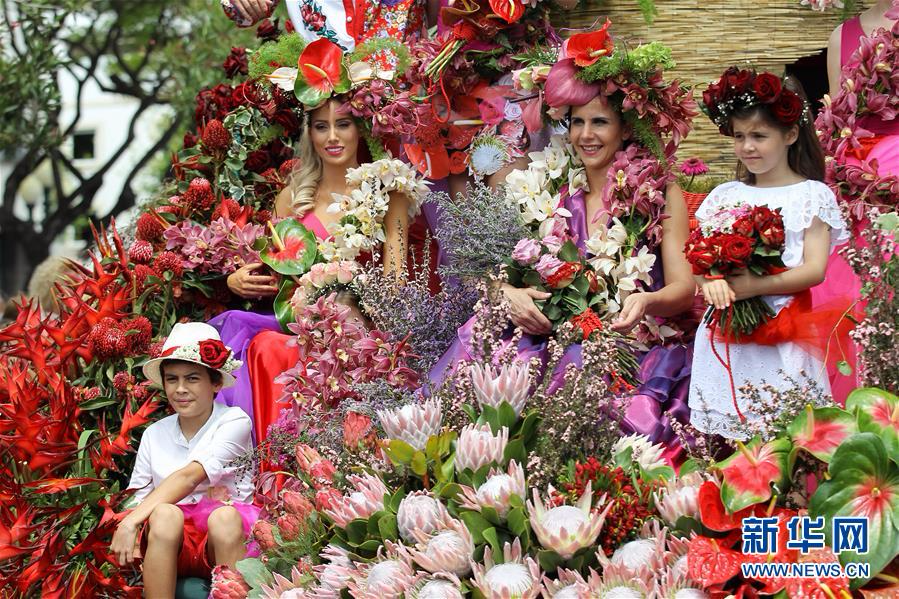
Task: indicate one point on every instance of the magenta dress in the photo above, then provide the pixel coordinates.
(664, 371)
(839, 279)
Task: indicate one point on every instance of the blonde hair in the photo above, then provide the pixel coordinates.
(42, 285)
(304, 179)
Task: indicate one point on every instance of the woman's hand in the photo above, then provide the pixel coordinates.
(249, 285)
(744, 284)
(632, 311)
(718, 293)
(255, 10)
(524, 313)
(124, 542)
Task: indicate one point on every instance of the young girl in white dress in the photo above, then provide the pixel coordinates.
(781, 165)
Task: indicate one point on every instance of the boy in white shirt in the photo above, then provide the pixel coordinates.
(197, 509)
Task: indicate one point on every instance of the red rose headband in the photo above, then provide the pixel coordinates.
(741, 88)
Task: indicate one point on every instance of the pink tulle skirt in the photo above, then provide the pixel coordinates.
(199, 514)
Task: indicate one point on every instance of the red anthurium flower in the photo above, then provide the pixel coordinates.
(508, 10)
(709, 562)
(587, 48)
(320, 64)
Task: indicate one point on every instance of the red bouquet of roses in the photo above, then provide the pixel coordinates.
(738, 238)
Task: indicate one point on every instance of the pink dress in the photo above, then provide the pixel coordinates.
(839, 278)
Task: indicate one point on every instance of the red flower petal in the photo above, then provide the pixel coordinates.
(320, 64)
(587, 48)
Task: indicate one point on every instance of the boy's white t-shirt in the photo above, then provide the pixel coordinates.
(164, 450)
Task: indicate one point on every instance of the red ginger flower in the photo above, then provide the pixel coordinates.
(215, 137)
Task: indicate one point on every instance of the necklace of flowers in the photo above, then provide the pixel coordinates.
(361, 228)
(622, 250)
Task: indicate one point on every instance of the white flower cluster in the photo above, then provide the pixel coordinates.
(722, 221)
(536, 191)
(362, 226)
(613, 257)
(191, 353)
(822, 5)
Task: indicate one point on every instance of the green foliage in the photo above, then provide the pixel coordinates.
(366, 50)
(699, 184)
(285, 52)
(649, 10)
(639, 63)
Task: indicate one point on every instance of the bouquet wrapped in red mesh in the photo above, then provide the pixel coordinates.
(735, 238)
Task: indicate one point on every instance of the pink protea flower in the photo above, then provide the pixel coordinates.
(638, 559)
(449, 550)
(388, 577)
(477, 446)
(679, 498)
(511, 384)
(367, 499)
(442, 586)
(693, 166)
(333, 575)
(569, 584)
(413, 423)
(419, 510)
(296, 504)
(677, 586)
(292, 588)
(228, 584)
(262, 533)
(497, 490)
(618, 581)
(566, 529)
(517, 576)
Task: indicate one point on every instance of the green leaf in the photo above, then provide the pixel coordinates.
(387, 527)
(356, 530)
(96, 403)
(476, 524)
(506, 416)
(254, 572)
(308, 95)
(688, 467)
(568, 252)
(864, 482)
(283, 310)
(518, 522)
(294, 252)
(549, 560)
(531, 278)
(491, 537)
(419, 463)
(399, 451)
(844, 368)
(432, 447)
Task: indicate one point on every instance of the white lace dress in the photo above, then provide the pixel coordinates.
(711, 401)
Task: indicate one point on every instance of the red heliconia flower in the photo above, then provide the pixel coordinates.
(587, 48)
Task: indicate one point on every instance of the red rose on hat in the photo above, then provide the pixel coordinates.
(788, 110)
(766, 87)
(213, 353)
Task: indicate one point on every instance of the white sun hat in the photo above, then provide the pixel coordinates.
(195, 342)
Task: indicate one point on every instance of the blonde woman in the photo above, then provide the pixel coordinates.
(329, 148)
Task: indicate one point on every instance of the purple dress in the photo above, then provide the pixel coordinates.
(664, 371)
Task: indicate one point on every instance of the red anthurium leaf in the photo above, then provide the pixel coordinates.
(587, 48)
(749, 473)
(709, 563)
(818, 587)
(821, 430)
(712, 512)
(320, 64)
(878, 412)
(292, 248)
(864, 482)
(508, 10)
